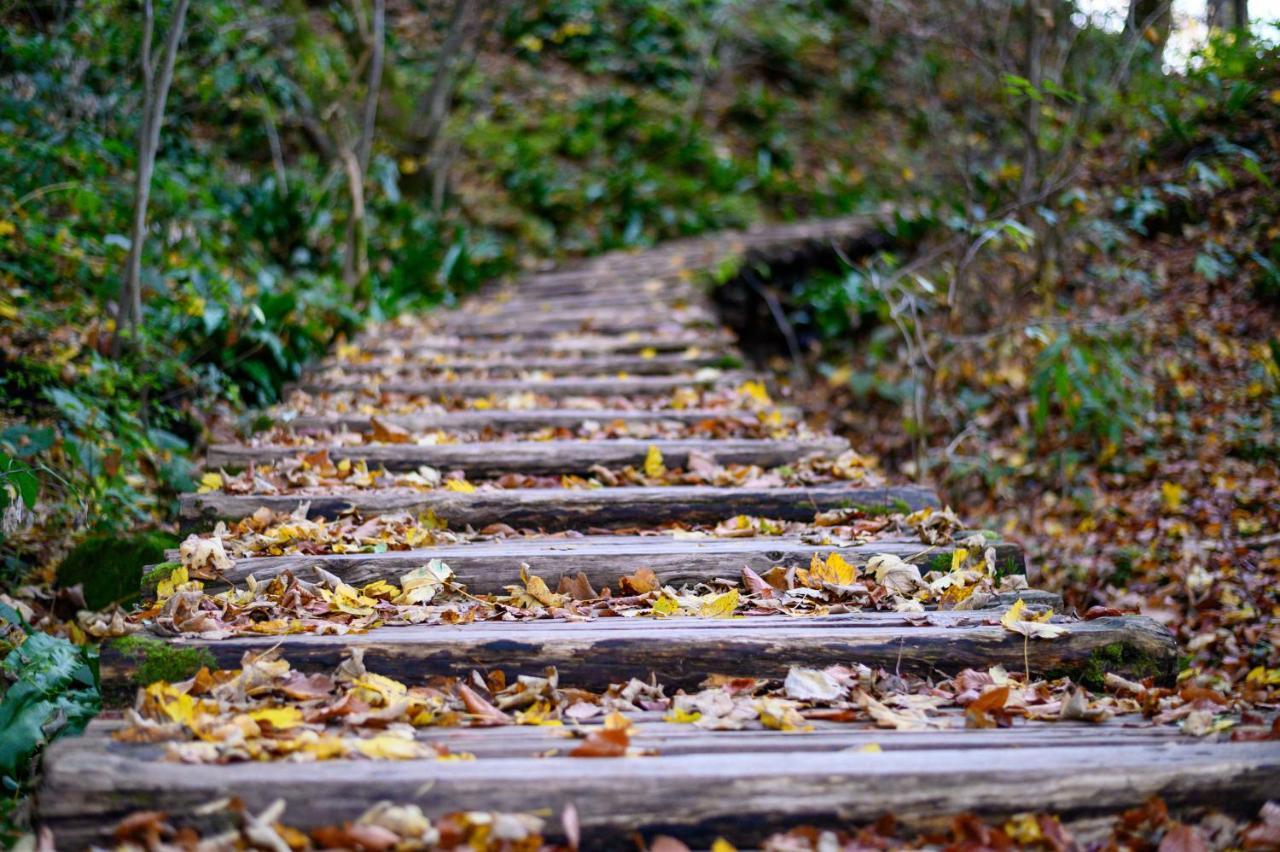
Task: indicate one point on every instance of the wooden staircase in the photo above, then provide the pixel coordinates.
(529, 380)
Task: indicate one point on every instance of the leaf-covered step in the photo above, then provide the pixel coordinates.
(90, 785)
(612, 365)
(683, 651)
(488, 458)
(611, 386)
(488, 567)
(707, 339)
(567, 508)
(522, 419)
(567, 319)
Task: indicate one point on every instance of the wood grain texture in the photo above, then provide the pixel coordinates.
(487, 567)
(695, 797)
(565, 508)
(453, 344)
(527, 420)
(610, 386)
(682, 651)
(658, 365)
(491, 458)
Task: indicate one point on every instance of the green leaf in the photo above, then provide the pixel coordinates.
(54, 691)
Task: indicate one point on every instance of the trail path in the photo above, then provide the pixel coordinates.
(584, 372)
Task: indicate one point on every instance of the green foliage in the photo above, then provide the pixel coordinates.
(51, 690)
(108, 567)
(1089, 383)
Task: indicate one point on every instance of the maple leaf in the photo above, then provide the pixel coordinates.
(1035, 627)
(603, 742)
(720, 606)
(835, 570)
(388, 433)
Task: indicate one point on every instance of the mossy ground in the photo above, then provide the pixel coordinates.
(108, 568)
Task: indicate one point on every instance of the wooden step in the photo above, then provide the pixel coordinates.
(683, 651)
(91, 784)
(638, 365)
(514, 302)
(604, 324)
(704, 339)
(567, 508)
(611, 386)
(489, 458)
(536, 319)
(488, 567)
(523, 420)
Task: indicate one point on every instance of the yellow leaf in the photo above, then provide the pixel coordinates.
(958, 558)
(460, 485)
(7, 228)
(280, 718)
(390, 747)
(834, 570)
(1173, 495)
(653, 466)
(871, 748)
(210, 482)
(648, 352)
(680, 716)
(721, 606)
(756, 390)
(722, 845)
(174, 703)
(538, 714)
(665, 606)
(326, 747)
(177, 577)
(1035, 628)
(379, 689)
(537, 588)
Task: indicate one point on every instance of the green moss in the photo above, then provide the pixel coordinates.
(161, 572)
(1122, 659)
(1010, 566)
(940, 562)
(728, 362)
(155, 660)
(108, 568)
(875, 510)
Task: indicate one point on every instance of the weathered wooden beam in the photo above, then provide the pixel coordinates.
(609, 365)
(488, 567)
(610, 386)
(566, 508)
(532, 319)
(707, 339)
(522, 420)
(682, 651)
(490, 458)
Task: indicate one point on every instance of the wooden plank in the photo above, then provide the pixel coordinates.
(706, 339)
(695, 797)
(489, 458)
(610, 386)
(564, 508)
(517, 420)
(487, 567)
(609, 364)
(616, 324)
(549, 318)
(682, 651)
(650, 733)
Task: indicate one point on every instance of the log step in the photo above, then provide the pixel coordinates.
(489, 458)
(567, 508)
(555, 388)
(707, 339)
(658, 365)
(487, 567)
(526, 420)
(548, 318)
(91, 784)
(683, 651)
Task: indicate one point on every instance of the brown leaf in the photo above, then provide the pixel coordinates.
(603, 742)
(641, 582)
(987, 711)
(1183, 838)
(485, 713)
(388, 433)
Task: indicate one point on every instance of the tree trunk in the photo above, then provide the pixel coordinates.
(1227, 14)
(155, 93)
(355, 270)
(1152, 20)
